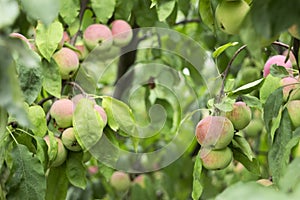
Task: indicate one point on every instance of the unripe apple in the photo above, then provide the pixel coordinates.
(254, 128)
(67, 61)
(294, 31)
(75, 99)
(120, 181)
(290, 83)
(276, 60)
(62, 112)
(265, 182)
(240, 116)
(140, 180)
(296, 150)
(69, 140)
(216, 159)
(22, 37)
(293, 108)
(122, 32)
(230, 15)
(98, 34)
(214, 131)
(101, 112)
(65, 38)
(62, 153)
(83, 50)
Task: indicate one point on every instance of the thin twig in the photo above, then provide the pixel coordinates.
(41, 102)
(74, 84)
(186, 21)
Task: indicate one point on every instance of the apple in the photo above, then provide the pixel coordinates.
(216, 159)
(294, 31)
(101, 112)
(67, 61)
(69, 140)
(214, 131)
(293, 108)
(120, 181)
(61, 154)
(83, 50)
(140, 180)
(75, 99)
(62, 112)
(98, 34)
(65, 38)
(276, 60)
(122, 32)
(240, 116)
(289, 84)
(230, 15)
(292, 57)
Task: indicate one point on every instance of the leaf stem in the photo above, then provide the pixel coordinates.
(12, 135)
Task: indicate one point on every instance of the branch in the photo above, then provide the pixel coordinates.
(74, 84)
(186, 21)
(41, 102)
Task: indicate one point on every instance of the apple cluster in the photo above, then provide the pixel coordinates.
(215, 133)
(62, 111)
(121, 182)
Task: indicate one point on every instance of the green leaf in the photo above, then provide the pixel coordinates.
(291, 177)
(271, 83)
(272, 107)
(52, 150)
(184, 7)
(226, 105)
(9, 10)
(197, 186)
(57, 183)
(123, 9)
(52, 78)
(28, 180)
(87, 19)
(164, 8)
(3, 123)
(105, 171)
(119, 115)
(69, 10)
(206, 13)
(87, 123)
(139, 11)
(252, 101)
(278, 71)
(41, 151)
(222, 48)
(278, 156)
(38, 120)
(246, 89)
(251, 166)
(103, 9)
(75, 169)
(241, 143)
(46, 10)
(48, 37)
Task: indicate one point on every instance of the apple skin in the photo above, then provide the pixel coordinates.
(98, 34)
(67, 61)
(230, 15)
(214, 131)
(140, 180)
(294, 31)
(69, 140)
(216, 159)
(240, 116)
(62, 112)
(293, 108)
(122, 32)
(62, 152)
(65, 38)
(254, 128)
(84, 52)
(101, 112)
(291, 83)
(278, 60)
(120, 181)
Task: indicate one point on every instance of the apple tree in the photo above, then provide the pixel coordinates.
(149, 99)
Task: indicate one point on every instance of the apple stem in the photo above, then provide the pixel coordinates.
(295, 50)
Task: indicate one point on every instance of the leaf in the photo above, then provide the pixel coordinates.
(252, 101)
(119, 115)
(206, 13)
(57, 183)
(38, 120)
(271, 83)
(123, 9)
(41, 151)
(48, 37)
(46, 10)
(251, 166)
(103, 9)
(75, 170)
(291, 177)
(105, 171)
(69, 10)
(241, 143)
(164, 9)
(139, 11)
(272, 107)
(278, 71)
(197, 186)
(222, 48)
(28, 180)
(52, 78)
(184, 7)
(246, 89)
(3, 123)
(278, 156)
(226, 105)
(9, 10)
(87, 123)
(249, 191)
(87, 19)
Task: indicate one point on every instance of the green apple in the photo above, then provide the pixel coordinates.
(240, 116)
(69, 140)
(98, 35)
(216, 159)
(293, 108)
(120, 181)
(62, 112)
(122, 32)
(61, 154)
